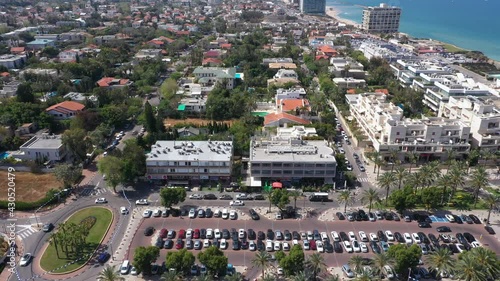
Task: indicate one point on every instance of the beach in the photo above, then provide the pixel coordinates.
(333, 12)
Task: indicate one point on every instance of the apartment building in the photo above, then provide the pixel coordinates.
(408, 71)
(189, 163)
(482, 114)
(346, 67)
(287, 158)
(12, 61)
(381, 19)
(316, 7)
(292, 93)
(212, 75)
(386, 128)
(43, 147)
(349, 83)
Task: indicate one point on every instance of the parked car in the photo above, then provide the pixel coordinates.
(101, 200)
(47, 227)
(209, 196)
(236, 203)
(142, 202)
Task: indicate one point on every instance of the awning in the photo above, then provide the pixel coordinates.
(277, 185)
(255, 181)
(178, 182)
(181, 107)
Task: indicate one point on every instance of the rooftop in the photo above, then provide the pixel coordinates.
(191, 151)
(45, 141)
(287, 150)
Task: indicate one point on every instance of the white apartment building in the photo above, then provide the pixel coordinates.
(209, 76)
(408, 71)
(482, 114)
(384, 125)
(9, 89)
(12, 61)
(349, 83)
(446, 86)
(381, 19)
(148, 54)
(286, 73)
(292, 93)
(189, 163)
(42, 148)
(340, 65)
(288, 158)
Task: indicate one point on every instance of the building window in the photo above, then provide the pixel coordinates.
(433, 133)
(397, 133)
(255, 172)
(298, 172)
(287, 172)
(266, 164)
(172, 170)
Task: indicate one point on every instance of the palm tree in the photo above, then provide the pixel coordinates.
(394, 156)
(467, 269)
(400, 174)
(487, 260)
(457, 178)
(366, 275)
(261, 260)
(170, 276)
(332, 277)
(444, 182)
(53, 239)
(234, 277)
(441, 260)
(386, 181)
(429, 173)
(369, 196)
(300, 276)
(378, 163)
(374, 156)
(109, 273)
(268, 194)
(492, 201)
(450, 157)
(472, 156)
(381, 260)
(315, 264)
(479, 180)
(295, 195)
(268, 277)
(346, 198)
(356, 263)
(412, 158)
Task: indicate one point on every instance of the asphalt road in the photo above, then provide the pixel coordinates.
(244, 257)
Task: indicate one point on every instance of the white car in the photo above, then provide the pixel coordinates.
(407, 238)
(206, 243)
(225, 214)
(373, 237)
(355, 246)
(348, 247)
(142, 202)
(189, 233)
(335, 236)
(123, 210)
(25, 260)
(389, 235)
(241, 233)
(223, 244)
(210, 233)
(147, 213)
(319, 247)
(236, 203)
(449, 217)
(157, 213)
(242, 196)
(363, 237)
(192, 213)
(232, 215)
(352, 236)
(475, 244)
(101, 200)
(195, 196)
(295, 242)
(460, 247)
(217, 234)
(277, 245)
(269, 245)
(324, 236)
(280, 271)
(306, 244)
(286, 246)
(252, 246)
(363, 247)
(310, 235)
(416, 238)
(341, 150)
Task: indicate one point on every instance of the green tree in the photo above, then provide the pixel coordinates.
(181, 260)
(403, 199)
(280, 197)
(112, 167)
(172, 196)
(316, 265)
(295, 195)
(144, 257)
(67, 174)
(412, 158)
(405, 257)
(24, 93)
(215, 261)
(386, 181)
(77, 143)
(456, 177)
(487, 261)
(356, 262)
(134, 160)
(262, 260)
(468, 269)
(492, 201)
(441, 261)
(381, 260)
(346, 197)
(430, 197)
(293, 263)
(400, 173)
(150, 118)
(170, 276)
(479, 180)
(369, 196)
(109, 273)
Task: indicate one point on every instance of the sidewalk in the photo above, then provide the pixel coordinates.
(121, 253)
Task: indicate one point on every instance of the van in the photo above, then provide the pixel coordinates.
(125, 267)
(347, 271)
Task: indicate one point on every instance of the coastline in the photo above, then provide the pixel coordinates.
(333, 12)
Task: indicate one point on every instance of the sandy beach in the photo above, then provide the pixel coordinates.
(333, 12)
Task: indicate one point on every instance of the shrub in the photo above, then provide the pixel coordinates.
(88, 222)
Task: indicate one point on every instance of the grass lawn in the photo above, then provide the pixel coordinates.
(452, 48)
(29, 187)
(49, 260)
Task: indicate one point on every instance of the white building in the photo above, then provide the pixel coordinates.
(193, 105)
(9, 89)
(292, 93)
(340, 65)
(286, 73)
(349, 83)
(382, 19)
(148, 54)
(209, 76)
(289, 159)
(42, 148)
(384, 125)
(408, 71)
(12, 61)
(188, 163)
(482, 114)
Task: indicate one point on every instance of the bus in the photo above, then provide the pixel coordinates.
(319, 197)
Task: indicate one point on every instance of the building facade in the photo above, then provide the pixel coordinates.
(381, 19)
(42, 148)
(316, 7)
(190, 163)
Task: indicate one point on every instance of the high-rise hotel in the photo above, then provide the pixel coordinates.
(315, 7)
(382, 19)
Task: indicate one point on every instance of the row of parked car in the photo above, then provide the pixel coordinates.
(193, 213)
(240, 196)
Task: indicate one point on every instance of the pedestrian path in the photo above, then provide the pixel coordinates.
(363, 179)
(93, 191)
(26, 232)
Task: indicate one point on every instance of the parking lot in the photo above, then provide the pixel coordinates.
(244, 257)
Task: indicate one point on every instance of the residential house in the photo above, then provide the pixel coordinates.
(42, 148)
(65, 109)
(12, 61)
(212, 62)
(349, 83)
(292, 93)
(148, 54)
(212, 75)
(191, 131)
(9, 89)
(283, 119)
(346, 67)
(26, 129)
(286, 73)
(113, 83)
(40, 44)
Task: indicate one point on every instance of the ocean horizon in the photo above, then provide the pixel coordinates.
(468, 24)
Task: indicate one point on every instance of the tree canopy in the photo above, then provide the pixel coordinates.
(144, 257)
(172, 196)
(215, 261)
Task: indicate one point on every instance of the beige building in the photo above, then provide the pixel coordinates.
(381, 19)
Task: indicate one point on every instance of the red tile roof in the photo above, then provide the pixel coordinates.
(211, 54)
(384, 91)
(15, 50)
(292, 104)
(66, 106)
(273, 117)
(226, 46)
(105, 81)
(211, 60)
(4, 74)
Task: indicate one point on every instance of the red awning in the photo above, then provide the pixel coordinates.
(277, 185)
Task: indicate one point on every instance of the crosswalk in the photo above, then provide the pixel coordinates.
(26, 232)
(93, 191)
(363, 179)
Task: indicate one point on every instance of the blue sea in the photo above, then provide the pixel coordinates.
(470, 24)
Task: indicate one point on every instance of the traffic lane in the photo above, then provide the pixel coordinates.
(249, 204)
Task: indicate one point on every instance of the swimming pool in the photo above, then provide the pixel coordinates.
(4, 155)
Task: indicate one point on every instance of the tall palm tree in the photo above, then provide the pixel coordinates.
(412, 158)
(492, 201)
(346, 198)
(268, 277)
(471, 158)
(457, 178)
(170, 276)
(262, 261)
(467, 269)
(109, 273)
(394, 157)
(295, 195)
(207, 277)
(378, 163)
(429, 173)
(366, 275)
(332, 277)
(356, 263)
(374, 156)
(300, 276)
(53, 239)
(381, 260)
(268, 194)
(450, 157)
(369, 196)
(386, 181)
(441, 260)
(315, 264)
(400, 174)
(487, 260)
(479, 180)
(444, 182)
(234, 277)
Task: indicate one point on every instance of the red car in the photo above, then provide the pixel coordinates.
(180, 244)
(196, 234)
(312, 244)
(163, 233)
(182, 234)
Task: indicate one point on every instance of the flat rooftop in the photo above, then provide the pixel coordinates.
(191, 151)
(43, 142)
(283, 151)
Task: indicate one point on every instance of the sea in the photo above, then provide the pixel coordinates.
(469, 24)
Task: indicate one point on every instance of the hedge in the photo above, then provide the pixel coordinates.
(27, 206)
